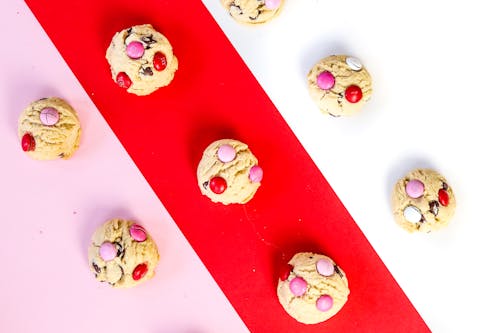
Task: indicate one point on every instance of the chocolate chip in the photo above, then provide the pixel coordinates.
(255, 17)
(61, 155)
(340, 98)
(120, 252)
(148, 39)
(445, 186)
(237, 8)
(205, 185)
(337, 270)
(123, 273)
(96, 268)
(434, 207)
(146, 71)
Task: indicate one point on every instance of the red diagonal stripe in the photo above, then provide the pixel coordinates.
(215, 96)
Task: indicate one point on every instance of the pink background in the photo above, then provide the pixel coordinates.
(50, 210)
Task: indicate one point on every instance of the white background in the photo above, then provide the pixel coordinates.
(435, 70)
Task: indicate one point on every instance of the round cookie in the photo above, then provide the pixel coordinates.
(340, 85)
(228, 172)
(423, 201)
(141, 59)
(49, 129)
(122, 254)
(312, 288)
(253, 11)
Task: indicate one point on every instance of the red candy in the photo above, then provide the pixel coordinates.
(353, 94)
(28, 142)
(123, 80)
(159, 61)
(285, 272)
(218, 185)
(444, 198)
(139, 271)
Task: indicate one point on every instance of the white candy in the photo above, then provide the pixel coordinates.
(412, 214)
(354, 63)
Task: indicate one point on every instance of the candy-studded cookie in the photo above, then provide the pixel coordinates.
(339, 85)
(122, 254)
(49, 129)
(423, 201)
(253, 11)
(312, 288)
(141, 59)
(228, 172)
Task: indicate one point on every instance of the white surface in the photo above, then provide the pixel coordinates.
(435, 70)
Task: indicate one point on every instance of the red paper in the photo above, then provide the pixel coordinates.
(214, 96)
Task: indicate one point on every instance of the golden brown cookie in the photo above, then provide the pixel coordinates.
(49, 129)
(339, 85)
(253, 11)
(228, 172)
(313, 288)
(423, 201)
(141, 59)
(122, 254)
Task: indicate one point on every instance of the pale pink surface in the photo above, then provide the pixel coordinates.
(52, 208)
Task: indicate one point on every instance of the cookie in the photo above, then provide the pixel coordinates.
(423, 201)
(253, 11)
(312, 288)
(339, 85)
(122, 254)
(228, 172)
(49, 129)
(141, 60)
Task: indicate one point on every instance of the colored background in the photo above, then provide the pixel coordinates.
(50, 211)
(435, 107)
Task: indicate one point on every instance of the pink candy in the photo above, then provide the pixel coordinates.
(324, 303)
(135, 50)
(298, 286)
(256, 174)
(325, 80)
(272, 4)
(324, 267)
(226, 153)
(49, 116)
(107, 251)
(415, 188)
(138, 233)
